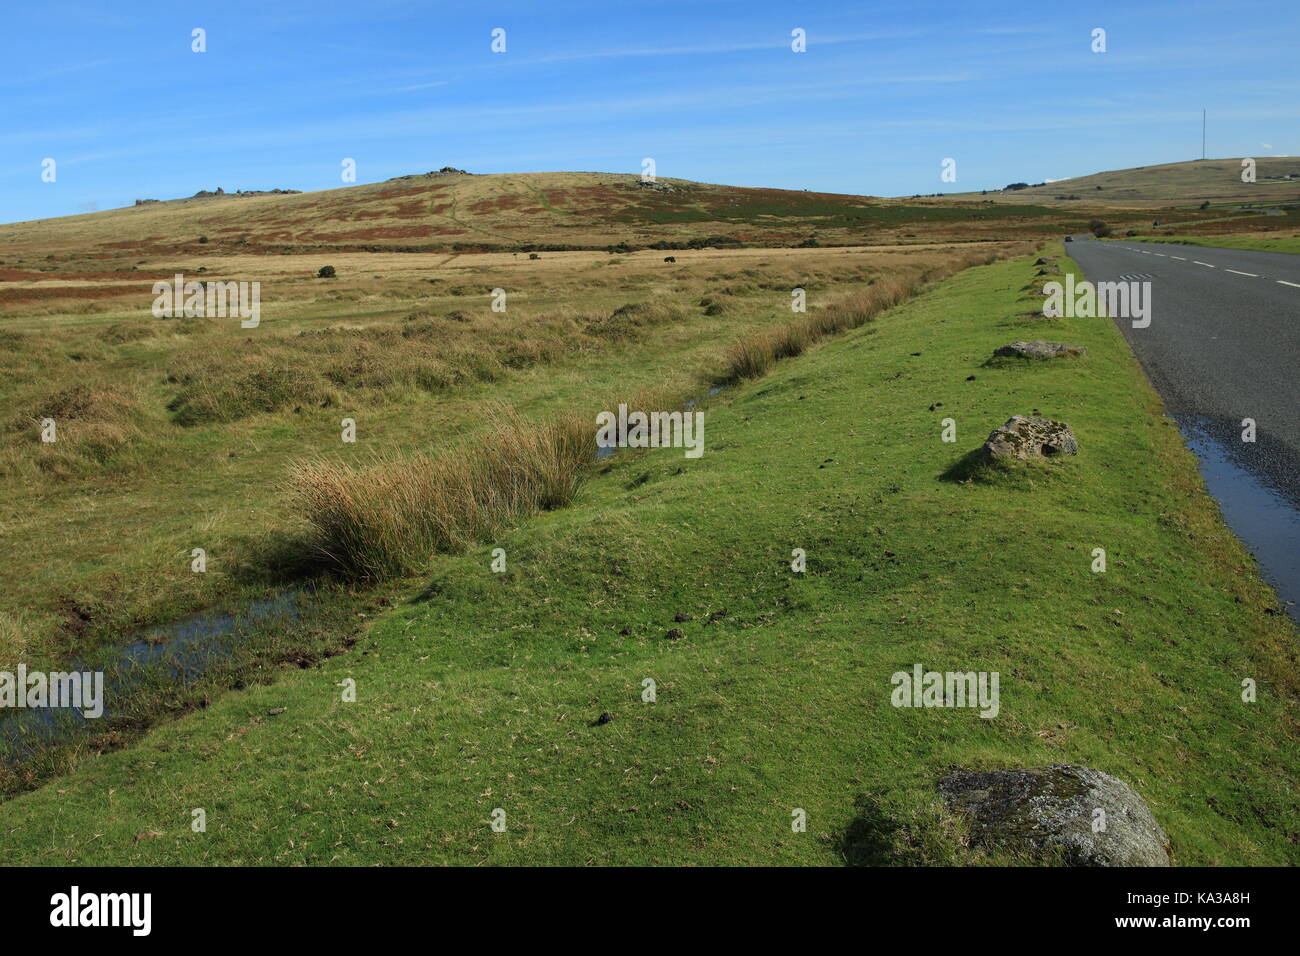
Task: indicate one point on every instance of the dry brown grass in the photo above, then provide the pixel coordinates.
(754, 355)
(389, 517)
(425, 352)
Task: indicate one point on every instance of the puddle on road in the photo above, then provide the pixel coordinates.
(1266, 522)
(179, 651)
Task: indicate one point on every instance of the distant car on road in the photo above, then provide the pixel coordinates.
(1069, 238)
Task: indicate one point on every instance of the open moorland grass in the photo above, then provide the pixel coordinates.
(481, 690)
(176, 434)
(181, 433)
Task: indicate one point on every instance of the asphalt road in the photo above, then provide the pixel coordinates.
(1223, 344)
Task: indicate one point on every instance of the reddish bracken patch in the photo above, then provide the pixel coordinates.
(383, 232)
(1253, 224)
(509, 203)
(132, 243)
(52, 293)
(410, 210)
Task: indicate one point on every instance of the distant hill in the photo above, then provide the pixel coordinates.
(450, 208)
(453, 211)
(1170, 184)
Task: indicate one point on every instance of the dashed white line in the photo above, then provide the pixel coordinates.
(1253, 275)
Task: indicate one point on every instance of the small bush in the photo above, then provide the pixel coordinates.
(326, 272)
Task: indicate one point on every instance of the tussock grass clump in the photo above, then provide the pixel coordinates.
(628, 321)
(389, 517)
(11, 341)
(82, 402)
(216, 391)
(717, 304)
(122, 333)
(93, 424)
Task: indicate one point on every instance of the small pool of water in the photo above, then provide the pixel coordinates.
(181, 651)
(1262, 517)
(603, 453)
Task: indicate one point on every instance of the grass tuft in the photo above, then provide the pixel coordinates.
(388, 518)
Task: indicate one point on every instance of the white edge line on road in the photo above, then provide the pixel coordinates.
(1295, 285)
(1200, 263)
(1179, 258)
(1235, 272)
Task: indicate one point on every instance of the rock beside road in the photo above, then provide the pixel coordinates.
(1089, 817)
(1023, 438)
(1039, 349)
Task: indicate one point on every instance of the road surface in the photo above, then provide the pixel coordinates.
(1224, 345)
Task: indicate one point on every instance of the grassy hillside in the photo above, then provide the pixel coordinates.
(481, 690)
(452, 213)
(1168, 184)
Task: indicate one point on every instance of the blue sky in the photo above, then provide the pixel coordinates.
(709, 88)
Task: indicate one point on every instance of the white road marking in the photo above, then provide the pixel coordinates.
(1179, 258)
(1235, 272)
(1292, 284)
(1161, 255)
(1206, 264)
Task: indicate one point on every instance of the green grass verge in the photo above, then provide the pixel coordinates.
(1282, 244)
(480, 691)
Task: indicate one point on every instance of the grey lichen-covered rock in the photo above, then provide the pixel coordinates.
(1090, 818)
(1024, 438)
(1039, 349)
